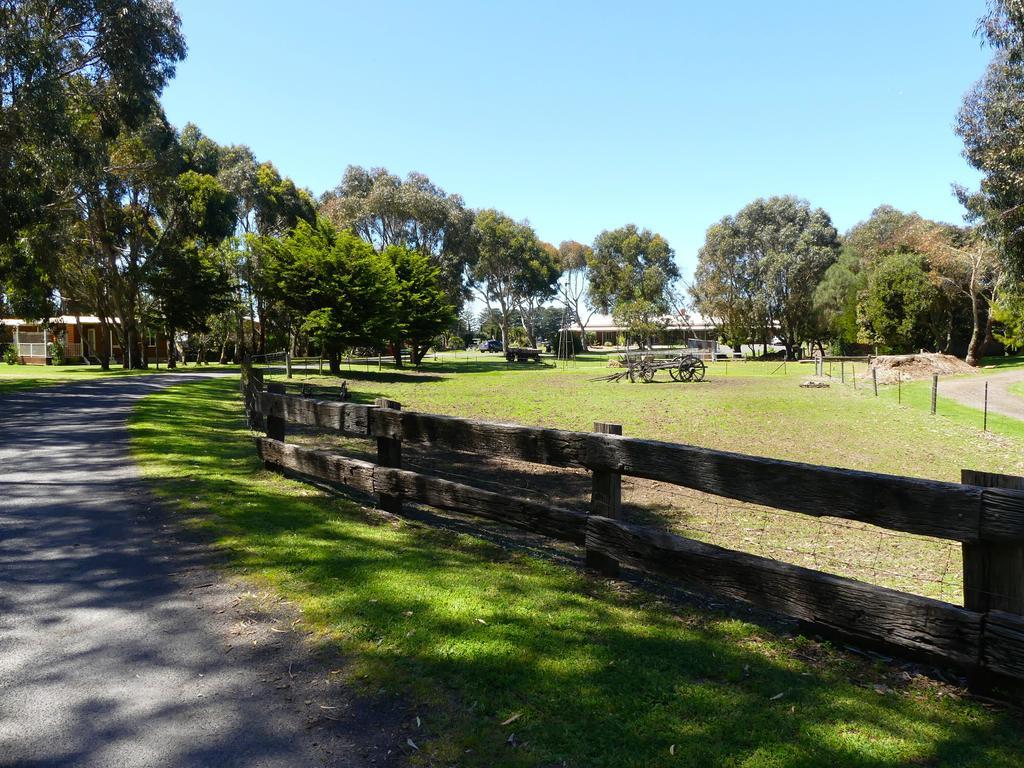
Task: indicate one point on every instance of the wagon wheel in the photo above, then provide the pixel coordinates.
(646, 373)
(698, 370)
(676, 371)
(632, 373)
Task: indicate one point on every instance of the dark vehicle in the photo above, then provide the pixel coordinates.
(491, 345)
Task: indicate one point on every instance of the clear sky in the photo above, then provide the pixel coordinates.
(583, 116)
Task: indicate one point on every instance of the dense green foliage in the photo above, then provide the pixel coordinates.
(513, 269)
(71, 74)
(759, 269)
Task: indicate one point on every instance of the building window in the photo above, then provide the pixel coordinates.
(151, 339)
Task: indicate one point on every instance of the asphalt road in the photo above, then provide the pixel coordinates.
(111, 651)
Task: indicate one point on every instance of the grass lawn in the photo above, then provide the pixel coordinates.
(585, 672)
(16, 378)
(755, 408)
(749, 407)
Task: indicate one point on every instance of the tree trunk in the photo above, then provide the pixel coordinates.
(334, 362)
(105, 357)
(977, 333)
(172, 350)
(419, 351)
(396, 349)
(223, 358)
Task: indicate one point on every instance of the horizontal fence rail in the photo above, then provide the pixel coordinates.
(943, 510)
(980, 637)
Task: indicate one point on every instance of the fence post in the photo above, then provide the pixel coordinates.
(874, 380)
(984, 423)
(935, 390)
(605, 500)
(389, 454)
(993, 572)
(276, 424)
(288, 364)
(842, 371)
(252, 385)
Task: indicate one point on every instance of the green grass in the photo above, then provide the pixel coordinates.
(17, 378)
(470, 635)
(916, 395)
(748, 407)
(741, 407)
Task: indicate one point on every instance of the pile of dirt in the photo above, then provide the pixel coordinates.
(893, 368)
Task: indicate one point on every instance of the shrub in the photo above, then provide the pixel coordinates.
(10, 355)
(56, 353)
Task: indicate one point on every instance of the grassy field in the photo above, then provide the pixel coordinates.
(755, 408)
(749, 407)
(15, 378)
(514, 661)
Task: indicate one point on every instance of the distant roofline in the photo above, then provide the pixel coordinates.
(607, 324)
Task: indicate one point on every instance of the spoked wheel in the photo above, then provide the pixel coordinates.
(633, 374)
(646, 373)
(676, 371)
(698, 370)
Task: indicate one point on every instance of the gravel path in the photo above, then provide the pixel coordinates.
(118, 645)
(971, 391)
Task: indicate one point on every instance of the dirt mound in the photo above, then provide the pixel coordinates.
(892, 368)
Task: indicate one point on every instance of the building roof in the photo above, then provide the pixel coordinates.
(62, 320)
(606, 323)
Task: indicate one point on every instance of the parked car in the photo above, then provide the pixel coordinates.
(491, 345)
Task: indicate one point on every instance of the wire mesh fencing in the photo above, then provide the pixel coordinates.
(911, 563)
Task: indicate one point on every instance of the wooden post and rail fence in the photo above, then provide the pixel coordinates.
(985, 513)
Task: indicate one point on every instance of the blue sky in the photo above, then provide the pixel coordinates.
(586, 116)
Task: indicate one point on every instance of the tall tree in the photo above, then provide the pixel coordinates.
(900, 296)
(778, 249)
(140, 216)
(630, 272)
(991, 124)
(837, 297)
(422, 309)
(413, 213)
(967, 264)
(572, 286)
(511, 266)
(344, 291)
(65, 67)
(727, 288)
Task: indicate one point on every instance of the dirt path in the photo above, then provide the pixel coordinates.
(971, 391)
(119, 646)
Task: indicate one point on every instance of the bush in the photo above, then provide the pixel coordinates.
(56, 353)
(10, 355)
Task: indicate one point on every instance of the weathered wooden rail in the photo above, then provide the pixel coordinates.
(986, 634)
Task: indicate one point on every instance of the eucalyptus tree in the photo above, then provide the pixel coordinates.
(142, 233)
(572, 286)
(413, 213)
(630, 274)
(512, 267)
(66, 67)
(267, 205)
(991, 124)
(767, 260)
